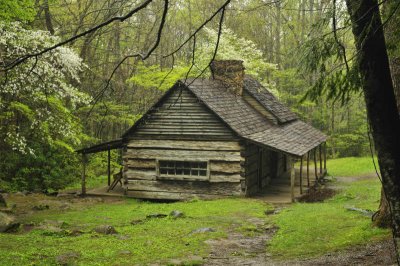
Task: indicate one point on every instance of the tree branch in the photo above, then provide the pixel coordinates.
(21, 60)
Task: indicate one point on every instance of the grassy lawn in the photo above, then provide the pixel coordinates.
(351, 166)
(305, 229)
(151, 241)
(312, 229)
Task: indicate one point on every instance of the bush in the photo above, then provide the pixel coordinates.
(50, 168)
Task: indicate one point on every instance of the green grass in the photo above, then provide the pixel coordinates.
(152, 241)
(305, 229)
(312, 229)
(92, 182)
(351, 166)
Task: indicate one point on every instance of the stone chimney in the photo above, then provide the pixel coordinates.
(230, 72)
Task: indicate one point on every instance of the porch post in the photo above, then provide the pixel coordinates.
(109, 166)
(292, 176)
(301, 175)
(308, 169)
(320, 160)
(84, 159)
(325, 156)
(315, 164)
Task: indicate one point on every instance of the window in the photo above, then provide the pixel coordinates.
(183, 169)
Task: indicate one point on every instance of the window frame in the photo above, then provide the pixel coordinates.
(182, 177)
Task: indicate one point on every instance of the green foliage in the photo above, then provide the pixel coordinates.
(51, 168)
(155, 77)
(38, 127)
(21, 10)
(351, 166)
(167, 238)
(312, 229)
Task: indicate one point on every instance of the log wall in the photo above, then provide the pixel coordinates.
(182, 116)
(143, 180)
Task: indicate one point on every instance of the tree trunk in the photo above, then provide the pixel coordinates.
(373, 64)
(382, 216)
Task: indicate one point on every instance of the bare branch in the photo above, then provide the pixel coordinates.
(199, 28)
(142, 57)
(21, 60)
(342, 51)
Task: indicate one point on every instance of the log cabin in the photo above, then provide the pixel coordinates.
(226, 135)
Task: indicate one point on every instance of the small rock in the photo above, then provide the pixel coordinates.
(54, 223)
(203, 230)
(40, 207)
(177, 214)
(65, 206)
(67, 258)
(53, 231)
(137, 221)
(269, 212)
(105, 230)
(123, 237)
(7, 223)
(125, 252)
(19, 193)
(156, 215)
(75, 232)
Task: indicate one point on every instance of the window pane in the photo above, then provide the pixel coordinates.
(179, 171)
(203, 165)
(183, 168)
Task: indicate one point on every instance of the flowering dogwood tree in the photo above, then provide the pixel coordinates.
(37, 99)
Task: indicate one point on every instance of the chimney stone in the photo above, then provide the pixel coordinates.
(230, 72)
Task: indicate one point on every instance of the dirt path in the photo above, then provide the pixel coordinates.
(239, 249)
(243, 249)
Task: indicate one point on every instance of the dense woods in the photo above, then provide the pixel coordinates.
(299, 50)
(77, 73)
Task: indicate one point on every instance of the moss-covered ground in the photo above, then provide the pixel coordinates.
(153, 240)
(312, 229)
(305, 229)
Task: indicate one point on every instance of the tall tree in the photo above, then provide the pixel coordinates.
(373, 64)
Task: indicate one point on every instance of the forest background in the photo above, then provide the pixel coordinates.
(75, 96)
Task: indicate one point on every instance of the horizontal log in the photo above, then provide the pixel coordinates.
(184, 137)
(185, 187)
(183, 154)
(187, 145)
(138, 163)
(208, 132)
(140, 174)
(189, 122)
(191, 127)
(220, 177)
(225, 167)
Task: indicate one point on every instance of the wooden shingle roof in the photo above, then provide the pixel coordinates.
(268, 100)
(291, 135)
